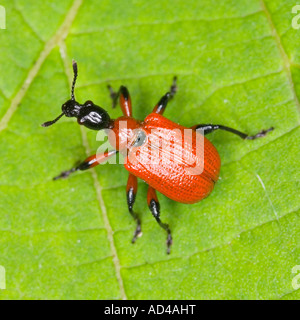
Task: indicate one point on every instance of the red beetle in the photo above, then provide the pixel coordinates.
(155, 138)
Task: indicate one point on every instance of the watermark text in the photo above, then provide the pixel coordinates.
(2, 17)
(296, 18)
(296, 279)
(2, 278)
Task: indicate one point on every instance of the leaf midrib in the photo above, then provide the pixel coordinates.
(98, 188)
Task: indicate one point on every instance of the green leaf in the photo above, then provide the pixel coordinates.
(238, 64)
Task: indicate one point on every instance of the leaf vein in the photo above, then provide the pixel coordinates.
(98, 188)
(60, 34)
(286, 62)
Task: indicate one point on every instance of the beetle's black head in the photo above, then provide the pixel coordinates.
(87, 114)
(71, 108)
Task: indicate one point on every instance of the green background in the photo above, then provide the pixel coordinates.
(238, 64)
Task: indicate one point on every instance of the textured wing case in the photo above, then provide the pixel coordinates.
(176, 161)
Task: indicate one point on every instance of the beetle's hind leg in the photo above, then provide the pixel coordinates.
(208, 128)
(131, 191)
(155, 210)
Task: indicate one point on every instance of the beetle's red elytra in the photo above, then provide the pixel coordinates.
(171, 175)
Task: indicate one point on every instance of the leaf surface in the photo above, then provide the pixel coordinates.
(237, 63)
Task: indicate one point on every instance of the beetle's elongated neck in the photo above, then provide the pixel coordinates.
(121, 132)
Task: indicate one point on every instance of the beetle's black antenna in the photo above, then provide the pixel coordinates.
(75, 70)
(49, 123)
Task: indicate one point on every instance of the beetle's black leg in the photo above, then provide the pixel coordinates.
(173, 88)
(155, 210)
(131, 191)
(125, 100)
(113, 95)
(208, 128)
(88, 163)
(162, 103)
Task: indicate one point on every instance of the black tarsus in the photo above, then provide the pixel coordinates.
(155, 210)
(173, 88)
(163, 102)
(115, 95)
(130, 202)
(208, 128)
(84, 165)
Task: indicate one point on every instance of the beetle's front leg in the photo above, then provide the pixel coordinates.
(125, 100)
(131, 191)
(155, 210)
(88, 163)
(162, 103)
